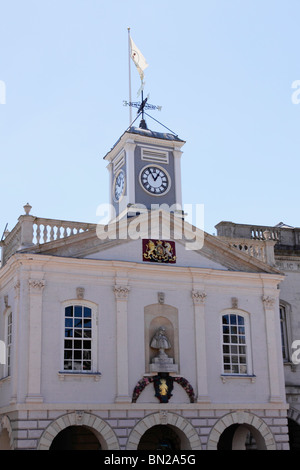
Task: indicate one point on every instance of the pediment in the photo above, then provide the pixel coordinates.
(194, 248)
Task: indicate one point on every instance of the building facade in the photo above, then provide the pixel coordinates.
(279, 246)
(144, 333)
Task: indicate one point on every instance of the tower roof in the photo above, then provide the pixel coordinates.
(139, 131)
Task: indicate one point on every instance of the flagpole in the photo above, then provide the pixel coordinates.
(129, 70)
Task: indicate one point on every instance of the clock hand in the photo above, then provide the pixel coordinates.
(157, 175)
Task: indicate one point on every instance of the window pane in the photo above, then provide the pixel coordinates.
(225, 320)
(233, 319)
(78, 311)
(69, 311)
(68, 322)
(68, 333)
(87, 312)
(241, 320)
(77, 322)
(68, 344)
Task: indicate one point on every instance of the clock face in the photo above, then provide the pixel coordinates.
(119, 185)
(155, 180)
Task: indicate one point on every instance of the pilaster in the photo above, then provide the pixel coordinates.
(270, 304)
(121, 296)
(36, 287)
(199, 298)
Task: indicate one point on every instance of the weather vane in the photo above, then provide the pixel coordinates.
(142, 106)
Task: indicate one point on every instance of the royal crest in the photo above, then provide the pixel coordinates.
(159, 251)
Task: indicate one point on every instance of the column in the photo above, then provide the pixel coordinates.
(200, 342)
(35, 340)
(272, 347)
(121, 295)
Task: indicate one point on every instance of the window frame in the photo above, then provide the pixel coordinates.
(287, 327)
(248, 349)
(94, 336)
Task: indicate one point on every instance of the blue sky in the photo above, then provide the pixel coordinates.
(222, 70)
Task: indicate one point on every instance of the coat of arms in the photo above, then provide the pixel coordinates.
(159, 251)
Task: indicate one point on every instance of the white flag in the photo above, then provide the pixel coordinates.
(138, 59)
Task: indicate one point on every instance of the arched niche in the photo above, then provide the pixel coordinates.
(156, 316)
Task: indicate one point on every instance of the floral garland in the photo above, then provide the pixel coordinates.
(147, 380)
(186, 386)
(140, 387)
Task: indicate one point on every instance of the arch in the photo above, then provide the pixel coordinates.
(254, 423)
(6, 434)
(293, 416)
(103, 431)
(177, 422)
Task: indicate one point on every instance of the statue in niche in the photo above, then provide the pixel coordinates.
(160, 341)
(162, 362)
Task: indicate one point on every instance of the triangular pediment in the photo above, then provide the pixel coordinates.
(124, 242)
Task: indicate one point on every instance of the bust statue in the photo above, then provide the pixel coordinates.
(162, 362)
(160, 341)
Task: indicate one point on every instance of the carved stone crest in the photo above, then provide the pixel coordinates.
(159, 251)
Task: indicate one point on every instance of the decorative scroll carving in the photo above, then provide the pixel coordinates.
(37, 284)
(161, 297)
(80, 292)
(269, 302)
(198, 297)
(121, 292)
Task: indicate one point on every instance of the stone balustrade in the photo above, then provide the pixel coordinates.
(47, 230)
(32, 231)
(258, 248)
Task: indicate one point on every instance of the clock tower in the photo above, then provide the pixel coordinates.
(145, 171)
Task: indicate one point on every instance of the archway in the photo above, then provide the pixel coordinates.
(4, 440)
(160, 437)
(75, 438)
(294, 434)
(241, 430)
(240, 437)
(102, 431)
(6, 434)
(173, 430)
